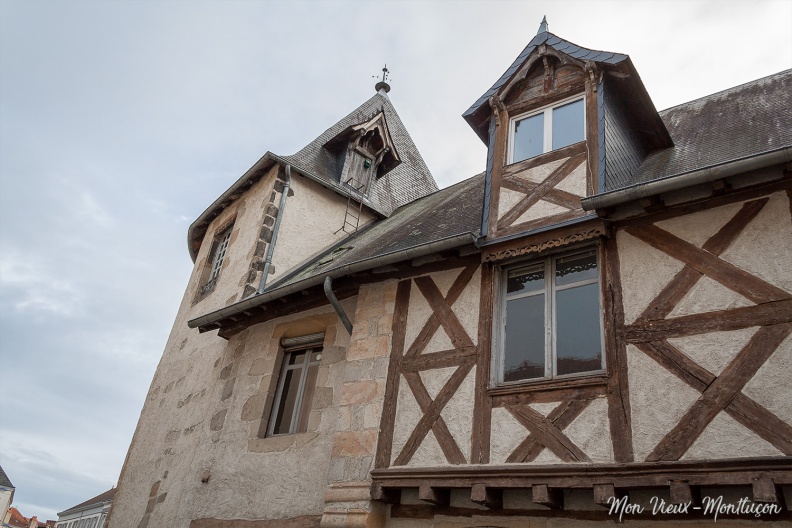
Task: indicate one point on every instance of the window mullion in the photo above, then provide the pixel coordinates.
(548, 129)
(549, 319)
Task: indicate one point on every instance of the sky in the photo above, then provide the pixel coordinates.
(121, 121)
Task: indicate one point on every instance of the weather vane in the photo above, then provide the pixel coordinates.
(383, 84)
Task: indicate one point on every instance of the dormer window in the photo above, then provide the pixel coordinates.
(365, 152)
(546, 129)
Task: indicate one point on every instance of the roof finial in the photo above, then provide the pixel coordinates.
(543, 26)
(382, 85)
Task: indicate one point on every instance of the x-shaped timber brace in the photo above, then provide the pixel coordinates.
(772, 313)
(649, 333)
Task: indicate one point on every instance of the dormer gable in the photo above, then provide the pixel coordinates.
(365, 151)
(559, 122)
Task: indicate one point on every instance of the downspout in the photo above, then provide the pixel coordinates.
(276, 227)
(328, 289)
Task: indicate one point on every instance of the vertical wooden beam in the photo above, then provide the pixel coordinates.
(482, 404)
(399, 329)
(501, 117)
(616, 356)
(592, 136)
(550, 497)
(489, 497)
(436, 496)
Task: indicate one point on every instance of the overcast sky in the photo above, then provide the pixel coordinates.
(121, 121)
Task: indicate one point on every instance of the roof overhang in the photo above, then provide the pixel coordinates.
(687, 179)
(197, 229)
(617, 65)
(213, 320)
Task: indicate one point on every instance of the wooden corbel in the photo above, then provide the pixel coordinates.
(547, 496)
(594, 74)
(682, 492)
(436, 496)
(606, 494)
(498, 108)
(486, 496)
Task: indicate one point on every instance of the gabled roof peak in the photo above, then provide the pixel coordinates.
(478, 113)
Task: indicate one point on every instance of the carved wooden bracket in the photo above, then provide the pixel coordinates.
(547, 244)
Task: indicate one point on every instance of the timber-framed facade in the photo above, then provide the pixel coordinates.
(602, 318)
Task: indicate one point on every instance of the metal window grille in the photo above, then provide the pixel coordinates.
(220, 253)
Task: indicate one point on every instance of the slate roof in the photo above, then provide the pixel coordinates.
(107, 496)
(455, 210)
(409, 180)
(737, 123)
(4, 480)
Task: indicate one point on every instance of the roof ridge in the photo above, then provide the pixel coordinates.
(725, 90)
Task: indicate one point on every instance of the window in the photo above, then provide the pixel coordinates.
(214, 264)
(295, 388)
(551, 328)
(219, 253)
(548, 129)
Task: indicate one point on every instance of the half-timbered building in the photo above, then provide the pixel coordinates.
(603, 315)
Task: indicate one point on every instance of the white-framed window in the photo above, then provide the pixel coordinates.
(549, 128)
(295, 389)
(549, 320)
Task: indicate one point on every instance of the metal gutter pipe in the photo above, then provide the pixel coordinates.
(354, 267)
(686, 179)
(328, 289)
(275, 229)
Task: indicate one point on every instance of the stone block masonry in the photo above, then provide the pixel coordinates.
(359, 407)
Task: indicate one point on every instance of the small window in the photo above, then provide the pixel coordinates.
(548, 129)
(220, 253)
(214, 263)
(550, 319)
(295, 391)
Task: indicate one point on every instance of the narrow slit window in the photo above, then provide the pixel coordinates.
(220, 253)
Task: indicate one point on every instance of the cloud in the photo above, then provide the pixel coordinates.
(28, 286)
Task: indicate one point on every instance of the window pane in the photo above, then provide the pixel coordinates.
(528, 138)
(296, 358)
(568, 124)
(524, 347)
(291, 384)
(527, 279)
(305, 406)
(576, 268)
(578, 343)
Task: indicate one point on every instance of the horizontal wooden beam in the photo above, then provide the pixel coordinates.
(727, 472)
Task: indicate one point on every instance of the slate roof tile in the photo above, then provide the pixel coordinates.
(409, 180)
(740, 122)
